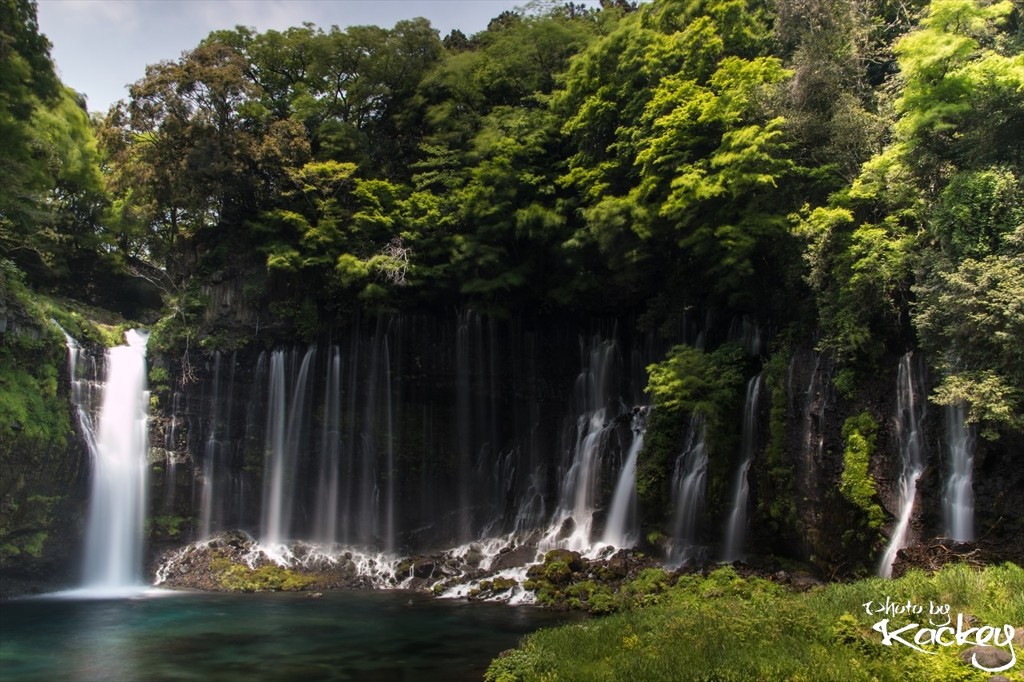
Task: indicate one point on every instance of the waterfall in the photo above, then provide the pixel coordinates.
(623, 526)
(910, 410)
(170, 447)
(327, 496)
(406, 431)
(82, 390)
(467, 323)
(746, 333)
(114, 529)
(958, 494)
(286, 418)
(389, 451)
(578, 496)
(689, 479)
(736, 530)
(210, 454)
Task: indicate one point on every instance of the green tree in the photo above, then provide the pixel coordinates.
(191, 158)
(27, 83)
(678, 155)
(340, 235)
(970, 316)
(928, 232)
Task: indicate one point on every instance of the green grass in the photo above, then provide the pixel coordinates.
(724, 627)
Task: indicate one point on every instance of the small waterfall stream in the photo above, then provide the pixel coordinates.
(210, 452)
(328, 484)
(689, 479)
(736, 528)
(909, 415)
(623, 526)
(958, 492)
(286, 422)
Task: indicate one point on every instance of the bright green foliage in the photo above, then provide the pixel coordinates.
(926, 232)
(972, 314)
(27, 82)
(688, 381)
(509, 235)
(50, 184)
(962, 100)
(978, 212)
(701, 159)
(678, 155)
(856, 483)
(646, 589)
(691, 380)
(861, 275)
(32, 353)
(37, 465)
(345, 232)
(961, 122)
(724, 627)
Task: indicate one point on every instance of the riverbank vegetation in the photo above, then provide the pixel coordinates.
(726, 627)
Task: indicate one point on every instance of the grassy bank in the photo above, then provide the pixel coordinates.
(724, 627)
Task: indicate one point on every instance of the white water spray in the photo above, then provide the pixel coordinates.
(578, 497)
(114, 533)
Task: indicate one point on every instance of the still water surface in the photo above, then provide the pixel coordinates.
(366, 636)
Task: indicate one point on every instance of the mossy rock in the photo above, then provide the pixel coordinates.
(574, 560)
(557, 572)
(269, 578)
(503, 584)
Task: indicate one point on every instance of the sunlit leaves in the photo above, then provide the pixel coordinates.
(957, 91)
(942, 191)
(689, 380)
(972, 315)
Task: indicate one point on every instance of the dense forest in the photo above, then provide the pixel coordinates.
(847, 175)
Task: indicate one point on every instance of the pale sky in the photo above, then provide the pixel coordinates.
(101, 46)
